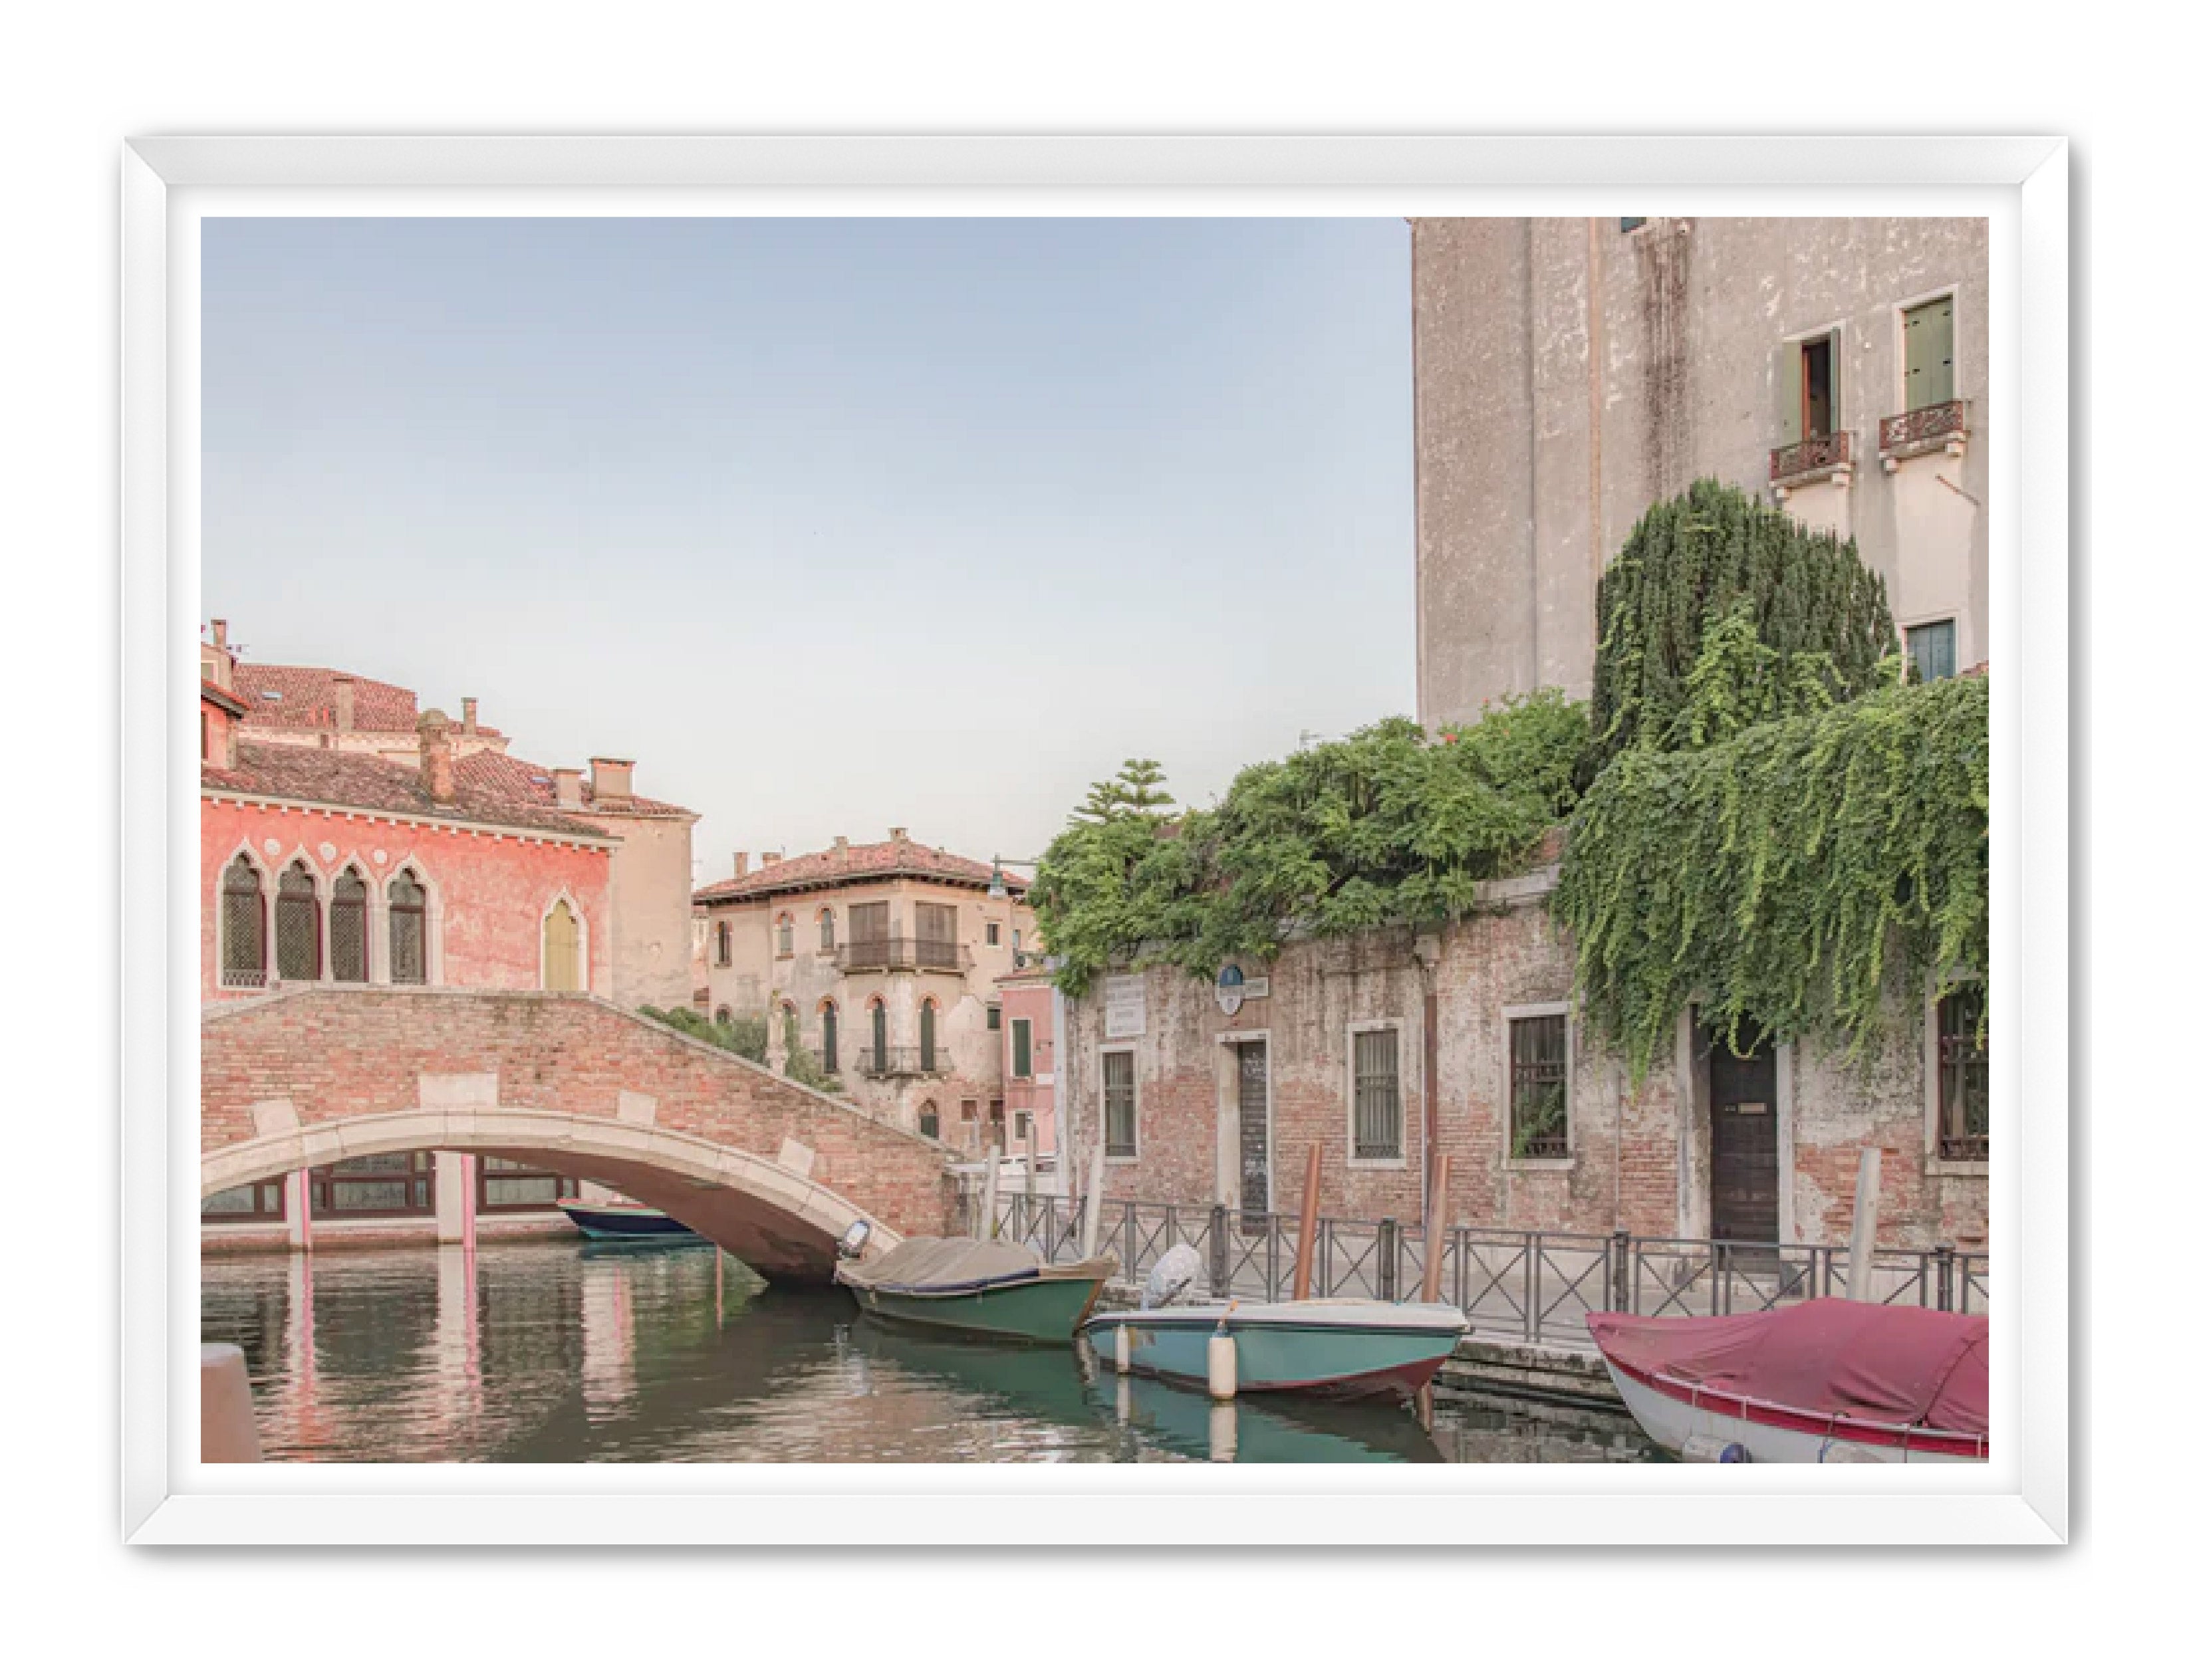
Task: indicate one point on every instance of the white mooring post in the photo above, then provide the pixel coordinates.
(989, 1191)
(1862, 1241)
(1090, 1233)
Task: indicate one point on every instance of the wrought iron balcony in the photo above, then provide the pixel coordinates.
(1942, 426)
(859, 955)
(903, 1061)
(1832, 454)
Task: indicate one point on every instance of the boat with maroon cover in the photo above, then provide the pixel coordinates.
(1821, 1381)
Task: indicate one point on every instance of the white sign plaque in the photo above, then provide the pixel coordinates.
(1124, 1006)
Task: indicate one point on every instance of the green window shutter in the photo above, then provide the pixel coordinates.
(1838, 424)
(1789, 393)
(1021, 1049)
(927, 1038)
(1930, 354)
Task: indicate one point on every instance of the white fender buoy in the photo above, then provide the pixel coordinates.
(228, 1428)
(1224, 1433)
(1223, 1367)
(1125, 1349)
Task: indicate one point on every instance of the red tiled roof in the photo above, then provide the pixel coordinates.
(231, 704)
(511, 780)
(364, 782)
(302, 697)
(888, 860)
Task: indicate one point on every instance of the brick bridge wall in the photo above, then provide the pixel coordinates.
(343, 1052)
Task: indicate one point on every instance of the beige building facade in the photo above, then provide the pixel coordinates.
(1569, 371)
(885, 963)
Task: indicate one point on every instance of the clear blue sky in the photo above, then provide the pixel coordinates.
(833, 525)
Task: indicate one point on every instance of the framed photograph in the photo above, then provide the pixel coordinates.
(1311, 828)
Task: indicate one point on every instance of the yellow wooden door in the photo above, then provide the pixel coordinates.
(562, 973)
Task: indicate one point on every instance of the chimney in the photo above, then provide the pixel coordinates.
(737, 866)
(842, 849)
(345, 704)
(569, 790)
(897, 834)
(612, 779)
(433, 754)
(471, 716)
(220, 633)
(770, 857)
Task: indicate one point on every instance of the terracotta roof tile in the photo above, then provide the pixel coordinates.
(499, 776)
(362, 782)
(887, 860)
(302, 697)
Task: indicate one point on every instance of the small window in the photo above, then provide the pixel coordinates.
(1931, 651)
(722, 945)
(995, 933)
(1627, 224)
(927, 1035)
(785, 936)
(406, 930)
(261, 1201)
(510, 1186)
(789, 1026)
(969, 1110)
(242, 926)
(369, 1186)
(346, 929)
(995, 1017)
(1121, 1119)
(1964, 1076)
(723, 1016)
(881, 1024)
(930, 1122)
(1023, 1123)
(1537, 1091)
(827, 1038)
(1376, 1109)
(828, 930)
(297, 924)
(1021, 1048)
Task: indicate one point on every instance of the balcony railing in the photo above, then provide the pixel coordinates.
(903, 1061)
(1832, 452)
(1940, 425)
(866, 954)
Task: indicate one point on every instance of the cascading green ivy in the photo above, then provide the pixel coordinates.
(1718, 613)
(1793, 878)
(1764, 820)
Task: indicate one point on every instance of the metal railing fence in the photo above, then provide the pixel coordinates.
(1534, 1285)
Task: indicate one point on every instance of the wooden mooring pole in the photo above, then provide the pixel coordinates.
(989, 1191)
(1432, 1269)
(1310, 1215)
(1862, 1241)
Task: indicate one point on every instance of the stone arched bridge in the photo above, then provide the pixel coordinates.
(566, 1083)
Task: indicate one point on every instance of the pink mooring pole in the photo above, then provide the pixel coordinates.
(471, 1206)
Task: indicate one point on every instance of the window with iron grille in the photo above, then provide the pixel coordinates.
(1537, 1093)
(1376, 1108)
(374, 1186)
(1930, 653)
(1964, 1076)
(1121, 1119)
(510, 1186)
(297, 924)
(242, 926)
(346, 929)
(261, 1201)
(406, 930)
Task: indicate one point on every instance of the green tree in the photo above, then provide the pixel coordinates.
(1719, 612)
(1137, 791)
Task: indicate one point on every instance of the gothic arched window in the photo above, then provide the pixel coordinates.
(242, 925)
(297, 924)
(346, 929)
(406, 930)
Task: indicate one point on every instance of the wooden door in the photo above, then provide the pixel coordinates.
(1253, 1133)
(1743, 1098)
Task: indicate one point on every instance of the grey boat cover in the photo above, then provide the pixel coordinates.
(924, 1265)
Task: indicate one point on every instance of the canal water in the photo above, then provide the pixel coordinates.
(561, 1352)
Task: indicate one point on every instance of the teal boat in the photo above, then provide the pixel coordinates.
(976, 1288)
(1336, 1349)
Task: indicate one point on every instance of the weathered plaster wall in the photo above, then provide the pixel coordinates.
(1550, 413)
(651, 899)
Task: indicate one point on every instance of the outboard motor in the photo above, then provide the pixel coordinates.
(1177, 1274)
(853, 1243)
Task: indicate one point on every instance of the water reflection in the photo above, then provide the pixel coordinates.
(557, 1353)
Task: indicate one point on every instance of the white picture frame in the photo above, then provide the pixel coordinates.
(2021, 1496)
